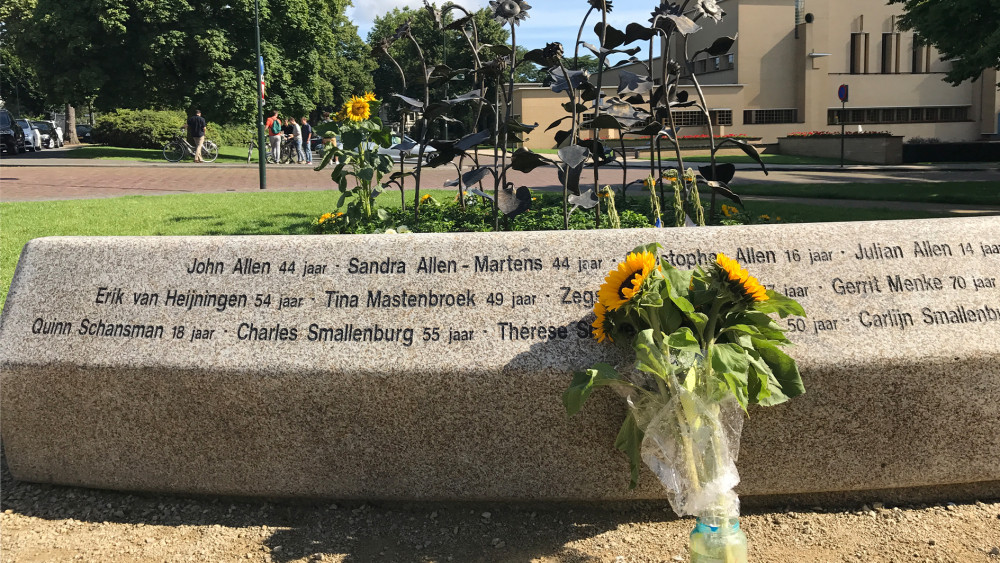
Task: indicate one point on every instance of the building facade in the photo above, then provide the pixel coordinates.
(787, 65)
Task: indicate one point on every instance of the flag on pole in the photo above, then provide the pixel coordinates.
(261, 73)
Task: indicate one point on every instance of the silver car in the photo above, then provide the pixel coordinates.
(405, 144)
(32, 137)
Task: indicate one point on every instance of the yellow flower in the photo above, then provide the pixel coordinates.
(778, 218)
(765, 217)
(624, 282)
(325, 217)
(369, 96)
(357, 109)
(729, 210)
(649, 182)
(425, 197)
(599, 322)
(740, 279)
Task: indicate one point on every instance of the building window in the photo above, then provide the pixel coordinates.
(859, 53)
(890, 53)
(768, 116)
(936, 114)
(731, 60)
(697, 118)
(921, 56)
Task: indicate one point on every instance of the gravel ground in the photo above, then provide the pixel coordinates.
(55, 523)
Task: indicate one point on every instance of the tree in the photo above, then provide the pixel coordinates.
(439, 47)
(967, 32)
(18, 81)
(187, 54)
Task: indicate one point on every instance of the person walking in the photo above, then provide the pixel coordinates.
(297, 138)
(307, 134)
(196, 130)
(273, 126)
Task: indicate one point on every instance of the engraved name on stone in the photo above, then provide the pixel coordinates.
(358, 299)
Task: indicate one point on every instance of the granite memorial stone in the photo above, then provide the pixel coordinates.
(431, 366)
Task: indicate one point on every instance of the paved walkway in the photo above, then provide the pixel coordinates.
(50, 176)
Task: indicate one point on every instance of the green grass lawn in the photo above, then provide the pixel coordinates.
(226, 154)
(261, 213)
(969, 193)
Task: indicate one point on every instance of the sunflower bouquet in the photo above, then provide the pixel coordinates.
(706, 348)
(361, 135)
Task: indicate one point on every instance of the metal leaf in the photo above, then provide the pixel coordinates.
(560, 137)
(412, 102)
(499, 50)
(405, 146)
(638, 32)
(467, 97)
(518, 127)
(612, 37)
(458, 24)
(586, 200)
(481, 194)
(558, 121)
(747, 148)
(472, 177)
(722, 188)
(684, 24)
(580, 108)
(525, 161)
(723, 172)
(469, 141)
(631, 83)
(603, 121)
(513, 202)
(570, 179)
(576, 78)
(536, 56)
(588, 92)
(574, 155)
(719, 47)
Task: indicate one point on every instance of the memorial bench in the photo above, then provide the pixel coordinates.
(431, 366)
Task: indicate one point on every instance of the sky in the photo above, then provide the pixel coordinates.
(548, 20)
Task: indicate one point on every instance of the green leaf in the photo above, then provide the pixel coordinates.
(351, 140)
(383, 215)
(583, 385)
(730, 361)
(778, 303)
(677, 283)
(764, 324)
(683, 339)
(786, 372)
(629, 441)
(366, 174)
(326, 160)
(742, 328)
(649, 358)
(652, 248)
(700, 320)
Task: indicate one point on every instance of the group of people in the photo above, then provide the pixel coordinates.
(300, 132)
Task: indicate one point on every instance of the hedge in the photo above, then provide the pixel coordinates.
(150, 129)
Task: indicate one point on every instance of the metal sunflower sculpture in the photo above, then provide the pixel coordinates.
(509, 11)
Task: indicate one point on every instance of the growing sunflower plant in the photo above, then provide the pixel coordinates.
(706, 348)
(361, 135)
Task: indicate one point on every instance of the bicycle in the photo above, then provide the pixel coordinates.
(267, 152)
(179, 148)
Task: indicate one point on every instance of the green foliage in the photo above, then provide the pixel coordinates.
(434, 43)
(545, 215)
(966, 32)
(140, 129)
(235, 135)
(184, 54)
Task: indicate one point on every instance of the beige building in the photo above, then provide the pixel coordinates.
(784, 72)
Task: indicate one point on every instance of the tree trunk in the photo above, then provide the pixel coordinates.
(70, 133)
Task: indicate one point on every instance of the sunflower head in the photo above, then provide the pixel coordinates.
(625, 282)
(649, 182)
(600, 323)
(369, 96)
(509, 11)
(357, 109)
(602, 5)
(739, 281)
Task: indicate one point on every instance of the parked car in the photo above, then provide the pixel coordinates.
(11, 135)
(32, 138)
(83, 133)
(406, 145)
(50, 139)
